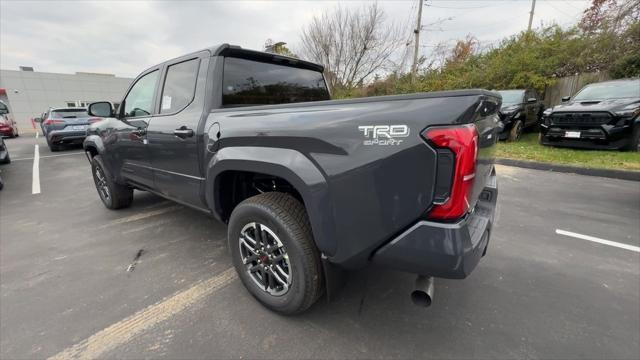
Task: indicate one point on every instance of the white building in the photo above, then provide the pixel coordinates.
(29, 93)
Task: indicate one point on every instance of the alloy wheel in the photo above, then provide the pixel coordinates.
(265, 259)
(101, 184)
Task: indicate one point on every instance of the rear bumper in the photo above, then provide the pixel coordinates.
(6, 131)
(441, 249)
(66, 137)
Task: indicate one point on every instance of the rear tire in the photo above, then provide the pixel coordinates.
(7, 160)
(634, 145)
(113, 195)
(53, 147)
(284, 225)
(516, 131)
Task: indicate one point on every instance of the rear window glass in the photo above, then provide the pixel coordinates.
(68, 113)
(248, 82)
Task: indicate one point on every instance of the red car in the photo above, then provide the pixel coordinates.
(8, 125)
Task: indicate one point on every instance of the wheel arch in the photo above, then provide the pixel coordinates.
(289, 165)
(94, 145)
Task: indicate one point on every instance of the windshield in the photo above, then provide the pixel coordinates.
(510, 97)
(610, 90)
(68, 113)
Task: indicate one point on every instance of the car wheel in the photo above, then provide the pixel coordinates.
(113, 195)
(274, 253)
(7, 160)
(516, 131)
(635, 139)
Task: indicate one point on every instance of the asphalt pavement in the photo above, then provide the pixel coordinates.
(561, 279)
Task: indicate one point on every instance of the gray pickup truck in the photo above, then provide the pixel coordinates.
(308, 186)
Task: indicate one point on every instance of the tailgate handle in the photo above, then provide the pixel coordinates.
(183, 132)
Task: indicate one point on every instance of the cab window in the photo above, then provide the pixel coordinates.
(139, 101)
(179, 86)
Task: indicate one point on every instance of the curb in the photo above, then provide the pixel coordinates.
(608, 173)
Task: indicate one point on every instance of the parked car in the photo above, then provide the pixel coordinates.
(8, 126)
(307, 186)
(4, 158)
(603, 115)
(63, 126)
(521, 109)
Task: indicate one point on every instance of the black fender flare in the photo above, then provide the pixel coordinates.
(93, 141)
(288, 164)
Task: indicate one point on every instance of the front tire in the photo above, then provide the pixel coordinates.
(516, 131)
(274, 253)
(113, 195)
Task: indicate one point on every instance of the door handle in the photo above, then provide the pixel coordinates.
(183, 132)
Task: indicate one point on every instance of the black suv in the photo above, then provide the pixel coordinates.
(520, 110)
(604, 115)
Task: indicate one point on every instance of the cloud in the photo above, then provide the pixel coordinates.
(126, 37)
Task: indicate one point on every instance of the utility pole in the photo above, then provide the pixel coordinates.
(533, 8)
(416, 49)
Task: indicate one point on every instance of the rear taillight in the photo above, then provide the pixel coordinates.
(462, 141)
(53, 121)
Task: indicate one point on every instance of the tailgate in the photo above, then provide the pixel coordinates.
(486, 123)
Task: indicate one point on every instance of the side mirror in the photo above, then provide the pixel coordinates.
(566, 98)
(38, 119)
(532, 100)
(100, 109)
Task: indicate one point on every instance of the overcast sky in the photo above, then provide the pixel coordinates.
(125, 37)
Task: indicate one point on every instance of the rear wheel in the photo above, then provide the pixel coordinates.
(113, 195)
(274, 253)
(7, 160)
(634, 145)
(53, 147)
(516, 131)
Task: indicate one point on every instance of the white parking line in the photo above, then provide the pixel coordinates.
(35, 183)
(598, 240)
(49, 156)
(124, 331)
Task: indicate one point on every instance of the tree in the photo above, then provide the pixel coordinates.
(278, 48)
(352, 45)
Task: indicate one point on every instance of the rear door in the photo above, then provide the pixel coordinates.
(173, 135)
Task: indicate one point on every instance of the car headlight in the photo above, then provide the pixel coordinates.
(629, 110)
(547, 112)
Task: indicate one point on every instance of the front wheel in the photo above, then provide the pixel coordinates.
(274, 253)
(516, 131)
(113, 195)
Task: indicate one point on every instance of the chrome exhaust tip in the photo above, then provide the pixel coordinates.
(422, 295)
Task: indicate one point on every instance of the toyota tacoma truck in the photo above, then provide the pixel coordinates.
(309, 187)
(604, 115)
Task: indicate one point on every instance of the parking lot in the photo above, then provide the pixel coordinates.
(155, 280)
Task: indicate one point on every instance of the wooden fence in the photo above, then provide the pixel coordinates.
(568, 86)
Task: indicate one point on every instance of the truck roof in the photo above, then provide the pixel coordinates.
(237, 51)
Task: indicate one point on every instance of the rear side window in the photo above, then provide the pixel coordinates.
(179, 86)
(247, 82)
